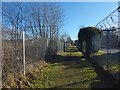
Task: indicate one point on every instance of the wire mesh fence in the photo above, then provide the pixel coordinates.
(41, 23)
(109, 53)
(35, 50)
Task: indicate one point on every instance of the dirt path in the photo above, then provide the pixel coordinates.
(71, 70)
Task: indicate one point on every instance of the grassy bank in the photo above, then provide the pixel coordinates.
(67, 70)
(111, 60)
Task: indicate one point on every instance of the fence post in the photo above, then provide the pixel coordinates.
(64, 46)
(23, 52)
(107, 50)
(47, 42)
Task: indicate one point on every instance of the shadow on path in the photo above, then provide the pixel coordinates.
(113, 73)
(79, 62)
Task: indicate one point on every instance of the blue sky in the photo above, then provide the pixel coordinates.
(84, 14)
(78, 14)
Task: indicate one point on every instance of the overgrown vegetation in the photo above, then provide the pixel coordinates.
(66, 70)
(85, 36)
(41, 22)
(110, 60)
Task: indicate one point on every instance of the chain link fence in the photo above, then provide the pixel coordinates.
(35, 50)
(109, 53)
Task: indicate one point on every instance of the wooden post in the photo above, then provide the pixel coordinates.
(24, 52)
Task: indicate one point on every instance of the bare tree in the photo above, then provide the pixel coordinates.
(55, 21)
(46, 20)
(38, 20)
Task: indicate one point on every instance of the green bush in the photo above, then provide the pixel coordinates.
(85, 35)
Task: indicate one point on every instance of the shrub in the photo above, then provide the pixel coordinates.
(85, 35)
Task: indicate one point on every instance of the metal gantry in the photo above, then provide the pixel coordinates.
(111, 21)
